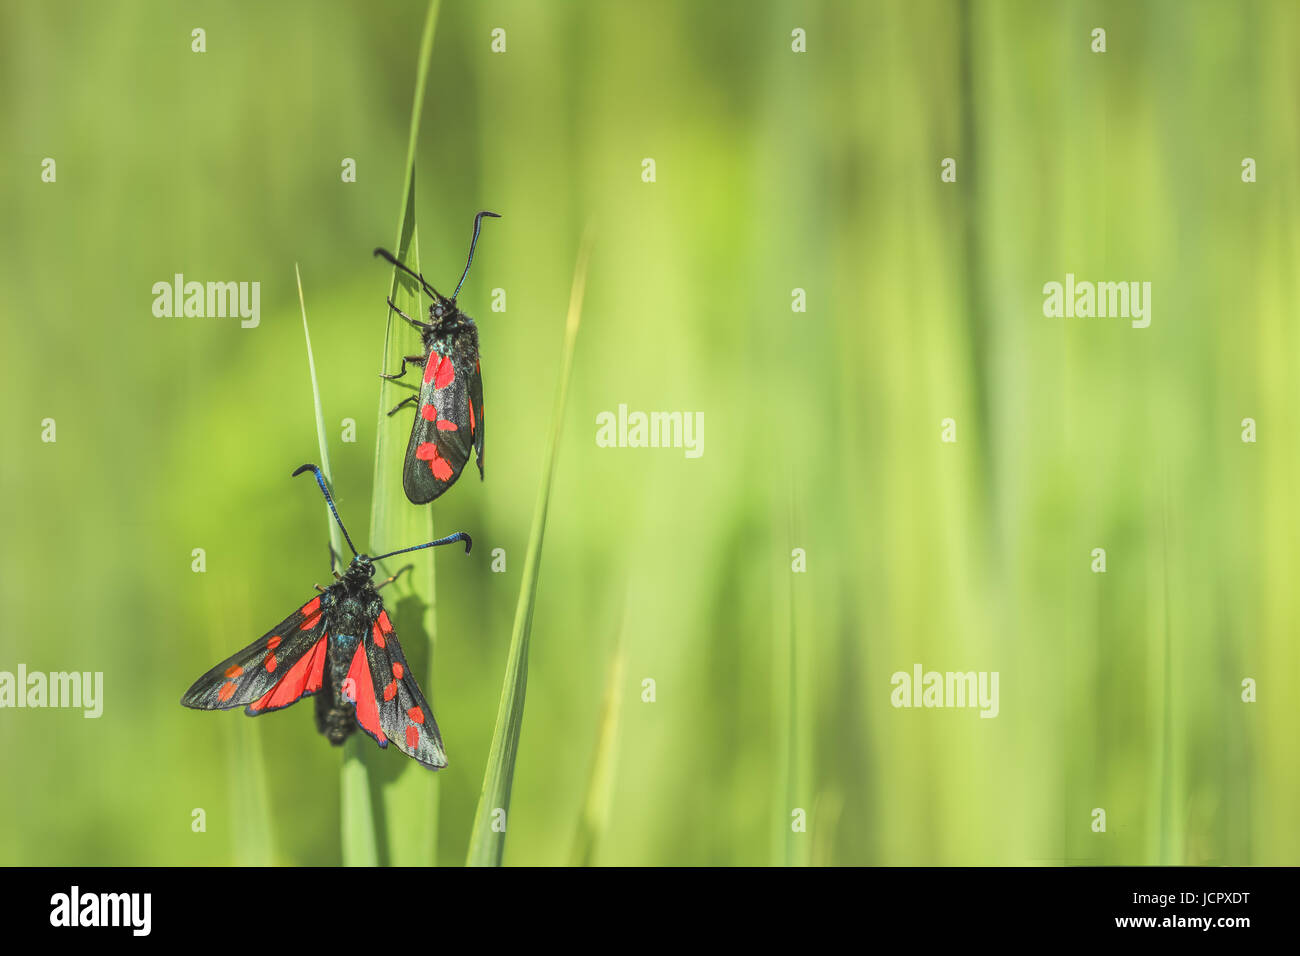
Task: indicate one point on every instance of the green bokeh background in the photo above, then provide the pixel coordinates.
(775, 170)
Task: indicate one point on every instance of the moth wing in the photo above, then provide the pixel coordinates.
(278, 669)
(476, 413)
(440, 438)
(403, 714)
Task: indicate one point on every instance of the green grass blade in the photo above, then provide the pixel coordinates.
(336, 537)
(408, 832)
(785, 667)
(253, 841)
(250, 799)
(356, 809)
(254, 838)
(487, 838)
(386, 501)
(600, 784)
(391, 518)
(358, 834)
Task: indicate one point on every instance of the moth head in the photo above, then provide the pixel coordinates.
(360, 571)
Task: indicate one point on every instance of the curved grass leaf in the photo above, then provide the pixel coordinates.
(600, 784)
(250, 804)
(358, 845)
(336, 537)
(406, 799)
(487, 838)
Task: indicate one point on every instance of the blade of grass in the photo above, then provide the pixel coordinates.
(1166, 818)
(487, 838)
(250, 804)
(249, 797)
(787, 701)
(385, 501)
(784, 670)
(825, 818)
(358, 840)
(336, 537)
(600, 784)
(408, 830)
(796, 850)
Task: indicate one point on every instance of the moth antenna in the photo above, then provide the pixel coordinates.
(385, 254)
(478, 220)
(320, 480)
(451, 538)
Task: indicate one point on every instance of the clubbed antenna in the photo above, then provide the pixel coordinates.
(451, 538)
(472, 243)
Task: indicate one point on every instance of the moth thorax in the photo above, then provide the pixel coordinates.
(360, 571)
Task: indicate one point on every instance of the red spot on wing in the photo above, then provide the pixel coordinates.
(430, 414)
(270, 663)
(412, 736)
(274, 642)
(311, 607)
(367, 707)
(446, 374)
(304, 677)
(227, 689)
(431, 367)
(378, 635)
(390, 691)
(416, 714)
(398, 669)
(472, 426)
(428, 451)
(385, 624)
(234, 670)
(311, 622)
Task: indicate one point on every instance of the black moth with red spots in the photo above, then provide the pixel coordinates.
(340, 647)
(449, 403)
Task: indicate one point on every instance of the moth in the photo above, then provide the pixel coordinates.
(449, 400)
(340, 647)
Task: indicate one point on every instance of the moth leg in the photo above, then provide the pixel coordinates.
(419, 325)
(417, 360)
(319, 588)
(410, 399)
(394, 577)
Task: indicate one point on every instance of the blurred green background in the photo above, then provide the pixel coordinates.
(775, 170)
